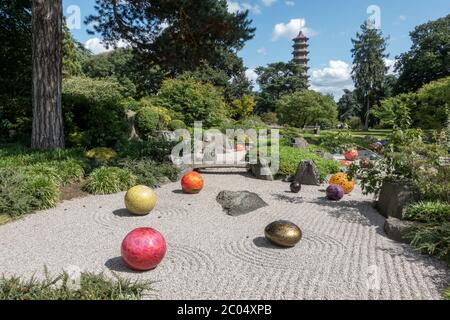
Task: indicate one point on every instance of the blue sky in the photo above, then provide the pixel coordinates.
(329, 23)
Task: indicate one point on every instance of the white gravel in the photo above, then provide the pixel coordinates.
(344, 253)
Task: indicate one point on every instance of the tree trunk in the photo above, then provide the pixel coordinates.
(48, 131)
(366, 123)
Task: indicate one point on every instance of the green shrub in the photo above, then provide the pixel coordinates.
(101, 154)
(243, 107)
(92, 287)
(325, 124)
(154, 149)
(148, 172)
(176, 124)
(94, 112)
(147, 122)
(354, 123)
(70, 171)
(270, 118)
(433, 239)
(304, 108)
(22, 193)
(337, 142)
(15, 118)
(109, 180)
(14, 198)
(290, 133)
(44, 191)
(193, 101)
(446, 294)
(431, 211)
(290, 159)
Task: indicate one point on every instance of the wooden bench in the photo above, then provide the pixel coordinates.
(316, 129)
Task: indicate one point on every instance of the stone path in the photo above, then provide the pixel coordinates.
(344, 254)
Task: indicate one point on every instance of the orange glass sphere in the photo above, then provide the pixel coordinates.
(341, 179)
(192, 182)
(351, 155)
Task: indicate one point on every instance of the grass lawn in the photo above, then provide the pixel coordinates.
(91, 287)
(380, 134)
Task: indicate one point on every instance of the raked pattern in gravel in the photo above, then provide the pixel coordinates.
(344, 253)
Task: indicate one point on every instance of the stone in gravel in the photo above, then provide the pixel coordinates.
(262, 171)
(240, 203)
(394, 197)
(398, 230)
(300, 143)
(307, 174)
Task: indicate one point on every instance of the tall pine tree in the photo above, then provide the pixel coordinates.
(47, 26)
(369, 68)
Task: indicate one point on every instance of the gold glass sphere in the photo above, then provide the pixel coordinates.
(140, 200)
(283, 233)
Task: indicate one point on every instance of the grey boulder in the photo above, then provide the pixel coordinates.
(240, 203)
(307, 174)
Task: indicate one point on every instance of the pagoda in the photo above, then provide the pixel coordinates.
(301, 51)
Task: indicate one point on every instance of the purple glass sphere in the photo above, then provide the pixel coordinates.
(335, 193)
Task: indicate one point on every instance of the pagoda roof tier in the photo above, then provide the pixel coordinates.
(301, 36)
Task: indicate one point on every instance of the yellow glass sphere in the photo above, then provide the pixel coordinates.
(140, 200)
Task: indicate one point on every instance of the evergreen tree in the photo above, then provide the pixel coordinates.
(369, 69)
(276, 80)
(177, 35)
(429, 56)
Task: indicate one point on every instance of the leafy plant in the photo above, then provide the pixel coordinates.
(92, 287)
(433, 239)
(22, 193)
(148, 172)
(431, 211)
(44, 191)
(304, 108)
(109, 180)
(176, 124)
(338, 142)
(290, 158)
(193, 101)
(446, 294)
(101, 154)
(94, 113)
(157, 150)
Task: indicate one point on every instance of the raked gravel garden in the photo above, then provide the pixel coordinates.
(344, 253)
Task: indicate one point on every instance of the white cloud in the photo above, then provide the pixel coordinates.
(290, 3)
(332, 79)
(268, 3)
(96, 46)
(234, 7)
(390, 63)
(251, 75)
(402, 18)
(262, 51)
(291, 29)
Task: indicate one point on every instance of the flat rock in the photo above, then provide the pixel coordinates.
(399, 230)
(240, 203)
(307, 174)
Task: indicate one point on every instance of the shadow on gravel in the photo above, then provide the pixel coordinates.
(352, 211)
(286, 198)
(117, 265)
(262, 242)
(122, 213)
